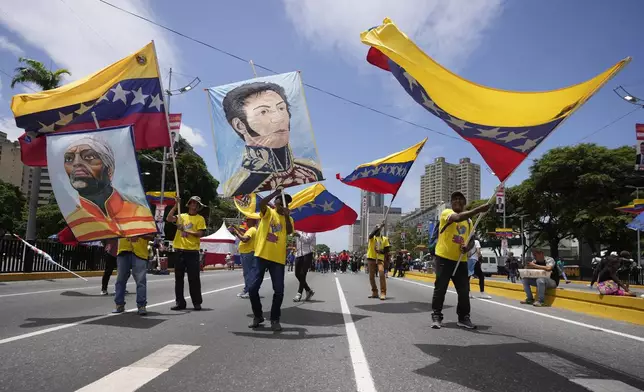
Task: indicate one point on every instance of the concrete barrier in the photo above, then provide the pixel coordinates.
(627, 309)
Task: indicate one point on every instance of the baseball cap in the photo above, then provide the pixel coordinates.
(458, 193)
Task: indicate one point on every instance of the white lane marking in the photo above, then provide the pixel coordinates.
(610, 331)
(364, 381)
(596, 385)
(133, 377)
(81, 288)
(560, 366)
(64, 326)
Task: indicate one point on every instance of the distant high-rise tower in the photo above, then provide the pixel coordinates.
(442, 178)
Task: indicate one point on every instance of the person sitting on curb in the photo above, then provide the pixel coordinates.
(544, 263)
(608, 282)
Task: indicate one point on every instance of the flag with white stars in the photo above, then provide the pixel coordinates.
(315, 210)
(504, 126)
(384, 175)
(126, 92)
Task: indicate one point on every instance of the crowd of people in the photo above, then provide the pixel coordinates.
(264, 246)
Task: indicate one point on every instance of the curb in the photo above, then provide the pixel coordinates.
(583, 282)
(23, 277)
(626, 309)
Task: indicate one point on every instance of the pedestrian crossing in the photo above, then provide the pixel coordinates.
(133, 377)
(580, 375)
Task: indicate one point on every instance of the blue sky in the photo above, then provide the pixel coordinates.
(520, 45)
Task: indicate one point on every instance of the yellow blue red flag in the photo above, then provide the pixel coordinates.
(504, 126)
(248, 205)
(315, 209)
(384, 175)
(126, 92)
(636, 207)
(154, 198)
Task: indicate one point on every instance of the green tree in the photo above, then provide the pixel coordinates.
(50, 219)
(35, 72)
(12, 204)
(411, 239)
(319, 248)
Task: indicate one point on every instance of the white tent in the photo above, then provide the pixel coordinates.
(221, 241)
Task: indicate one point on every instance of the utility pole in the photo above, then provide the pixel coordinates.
(165, 152)
(639, 251)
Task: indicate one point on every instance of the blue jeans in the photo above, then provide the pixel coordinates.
(126, 262)
(277, 272)
(249, 268)
(541, 284)
(471, 263)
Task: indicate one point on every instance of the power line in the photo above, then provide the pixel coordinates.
(347, 100)
(26, 85)
(89, 26)
(608, 125)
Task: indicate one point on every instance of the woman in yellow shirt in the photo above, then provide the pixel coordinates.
(246, 252)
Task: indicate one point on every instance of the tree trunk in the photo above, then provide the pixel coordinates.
(554, 248)
(31, 219)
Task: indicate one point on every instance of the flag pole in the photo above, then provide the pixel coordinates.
(167, 118)
(46, 256)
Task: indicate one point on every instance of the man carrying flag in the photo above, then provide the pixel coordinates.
(455, 227)
(377, 252)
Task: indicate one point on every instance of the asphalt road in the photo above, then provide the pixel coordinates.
(57, 336)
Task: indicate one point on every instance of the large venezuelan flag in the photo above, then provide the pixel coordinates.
(384, 175)
(504, 126)
(126, 92)
(315, 210)
(154, 198)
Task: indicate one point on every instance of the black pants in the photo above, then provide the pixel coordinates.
(354, 266)
(478, 272)
(343, 266)
(444, 269)
(187, 262)
(302, 265)
(110, 265)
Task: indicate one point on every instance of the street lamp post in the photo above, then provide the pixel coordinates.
(639, 251)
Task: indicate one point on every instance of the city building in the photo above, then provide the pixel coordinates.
(354, 237)
(441, 179)
(11, 167)
(422, 217)
(372, 212)
(45, 191)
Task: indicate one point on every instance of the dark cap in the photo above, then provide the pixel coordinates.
(458, 193)
(287, 198)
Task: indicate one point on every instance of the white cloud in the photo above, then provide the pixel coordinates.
(87, 35)
(9, 46)
(447, 30)
(192, 135)
(8, 126)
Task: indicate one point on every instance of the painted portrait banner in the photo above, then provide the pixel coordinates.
(95, 178)
(263, 135)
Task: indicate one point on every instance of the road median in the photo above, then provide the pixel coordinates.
(627, 309)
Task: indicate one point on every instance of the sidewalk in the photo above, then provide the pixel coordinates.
(574, 284)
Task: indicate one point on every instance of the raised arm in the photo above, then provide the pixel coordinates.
(172, 217)
(465, 215)
(263, 204)
(375, 230)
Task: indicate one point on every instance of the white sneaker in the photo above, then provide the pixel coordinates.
(244, 296)
(239, 295)
(104, 292)
(484, 296)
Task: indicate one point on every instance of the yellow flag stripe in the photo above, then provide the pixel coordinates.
(306, 195)
(142, 64)
(407, 155)
(476, 103)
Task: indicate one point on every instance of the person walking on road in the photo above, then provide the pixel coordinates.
(377, 251)
(304, 246)
(275, 225)
(190, 228)
(454, 229)
(512, 267)
(247, 253)
(132, 256)
(398, 264)
(474, 268)
(111, 251)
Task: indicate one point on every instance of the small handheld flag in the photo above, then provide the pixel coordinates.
(46, 256)
(384, 175)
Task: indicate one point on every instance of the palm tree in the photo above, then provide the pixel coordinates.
(35, 72)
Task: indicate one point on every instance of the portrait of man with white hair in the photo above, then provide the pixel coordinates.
(100, 210)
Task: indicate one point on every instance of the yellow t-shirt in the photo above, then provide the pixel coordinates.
(139, 247)
(377, 243)
(270, 243)
(248, 247)
(450, 241)
(191, 223)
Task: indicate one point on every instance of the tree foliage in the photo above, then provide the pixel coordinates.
(12, 204)
(50, 219)
(319, 248)
(35, 72)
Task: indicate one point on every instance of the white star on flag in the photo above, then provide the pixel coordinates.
(139, 97)
(490, 133)
(46, 128)
(64, 118)
(512, 136)
(529, 144)
(410, 79)
(82, 109)
(327, 206)
(156, 102)
(120, 94)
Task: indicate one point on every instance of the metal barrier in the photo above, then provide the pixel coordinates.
(75, 258)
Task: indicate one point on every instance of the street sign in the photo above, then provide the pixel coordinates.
(504, 247)
(403, 236)
(500, 200)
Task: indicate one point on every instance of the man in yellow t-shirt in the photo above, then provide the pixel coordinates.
(132, 255)
(377, 251)
(246, 252)
(452, 247)
(190, 228)
(275, 225)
